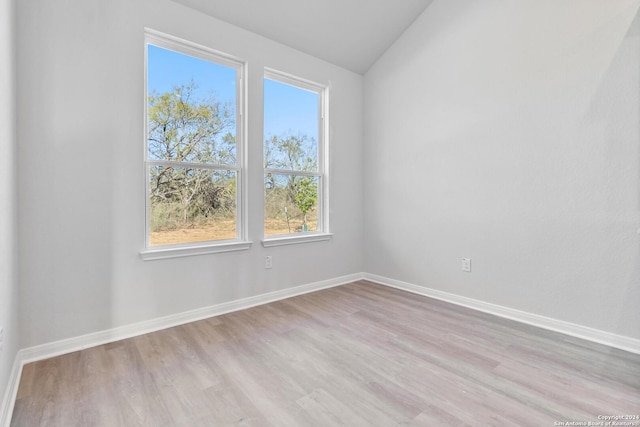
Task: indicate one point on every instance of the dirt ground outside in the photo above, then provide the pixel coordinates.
(222, 230)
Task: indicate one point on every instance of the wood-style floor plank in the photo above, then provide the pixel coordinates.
(355, 355)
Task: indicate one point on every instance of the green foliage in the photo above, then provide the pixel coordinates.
(184, 197)
(186, 127)
(306, 195)
(291, 153)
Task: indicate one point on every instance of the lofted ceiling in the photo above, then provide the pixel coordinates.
(350, 33)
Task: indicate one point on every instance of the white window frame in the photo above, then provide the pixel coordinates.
(165, 41)
(322, 233)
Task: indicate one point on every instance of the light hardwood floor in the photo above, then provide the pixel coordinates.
(356, 355)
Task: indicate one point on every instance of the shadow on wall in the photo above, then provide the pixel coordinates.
(619, 129)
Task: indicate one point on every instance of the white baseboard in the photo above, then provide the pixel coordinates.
(9, 401)
(595, 335)
(57, 348)
(70, 345)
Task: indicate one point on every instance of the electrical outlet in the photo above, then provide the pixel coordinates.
(466, 264)
(268, 261)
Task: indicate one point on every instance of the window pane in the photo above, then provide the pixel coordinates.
(191, 109)
(191, 205)
(290, 127)
(291, 204)
(289, 152)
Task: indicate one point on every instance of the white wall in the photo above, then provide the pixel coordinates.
(8, 219)
(508, 132)
(81, 182)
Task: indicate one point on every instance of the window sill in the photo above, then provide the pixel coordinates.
(293, 240)
(192, 250)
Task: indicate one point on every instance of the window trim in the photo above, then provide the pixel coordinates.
(323, 232)
(291, 239)
(241, 242)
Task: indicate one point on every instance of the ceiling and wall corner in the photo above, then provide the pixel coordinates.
(352, 34)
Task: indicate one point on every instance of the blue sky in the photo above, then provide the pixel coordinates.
(167, 69)
(287, 109)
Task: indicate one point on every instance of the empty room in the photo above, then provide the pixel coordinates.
(335, 213)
